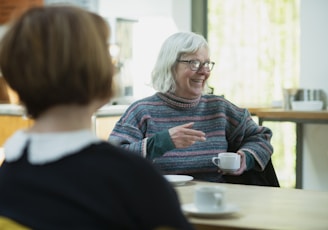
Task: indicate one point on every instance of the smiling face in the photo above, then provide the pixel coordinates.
(189, 83)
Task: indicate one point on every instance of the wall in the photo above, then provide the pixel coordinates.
(156, 20)
(179, 11)
(314, 74)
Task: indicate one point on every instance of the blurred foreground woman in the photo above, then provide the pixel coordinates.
(58, 174)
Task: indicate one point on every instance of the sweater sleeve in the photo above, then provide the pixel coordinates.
(250, 161)
(128, 137)
(158, 144)
(151, 147)
(252, 139)
(130, 133)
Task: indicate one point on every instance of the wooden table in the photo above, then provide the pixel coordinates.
(298, 117)
(269, 114)
(264, 208)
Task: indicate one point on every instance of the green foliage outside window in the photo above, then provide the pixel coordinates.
(255, 45)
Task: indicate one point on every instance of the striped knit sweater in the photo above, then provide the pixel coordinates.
(227, 128)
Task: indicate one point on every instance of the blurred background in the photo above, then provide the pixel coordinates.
(265, 52)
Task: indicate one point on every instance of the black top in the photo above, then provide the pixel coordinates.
(99, 187)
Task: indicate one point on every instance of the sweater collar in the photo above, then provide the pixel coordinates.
(178, 102)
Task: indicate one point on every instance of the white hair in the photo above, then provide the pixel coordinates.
(175, 46)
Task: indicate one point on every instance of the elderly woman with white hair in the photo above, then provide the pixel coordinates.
(181, 128)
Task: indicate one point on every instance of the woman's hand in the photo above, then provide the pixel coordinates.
(184, 136)
(242, 168)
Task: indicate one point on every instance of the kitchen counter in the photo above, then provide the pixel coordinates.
(105, 111)
(11, 110)
(12, 118)
(111, 110)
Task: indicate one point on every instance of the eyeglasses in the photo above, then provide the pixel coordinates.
(196, 65)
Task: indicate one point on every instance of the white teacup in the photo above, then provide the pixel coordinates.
(209, 198)
(227, 162)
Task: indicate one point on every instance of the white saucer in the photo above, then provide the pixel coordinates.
(178, 179)
(226, 210)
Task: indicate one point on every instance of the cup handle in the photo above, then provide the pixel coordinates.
(216, 161)
(218, 198)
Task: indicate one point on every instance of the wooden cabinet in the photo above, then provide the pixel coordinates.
(105, 125)
(10, 124)
(10, 9)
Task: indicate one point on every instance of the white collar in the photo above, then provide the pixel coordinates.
(47, 147)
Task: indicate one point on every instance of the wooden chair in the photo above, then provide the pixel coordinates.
(9, 224)
(267, 177)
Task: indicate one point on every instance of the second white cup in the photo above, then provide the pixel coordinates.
(209, 198)
(228, 162)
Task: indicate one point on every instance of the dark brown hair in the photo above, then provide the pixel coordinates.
(57, 55)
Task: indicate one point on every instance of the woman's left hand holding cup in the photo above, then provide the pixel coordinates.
(243, 166)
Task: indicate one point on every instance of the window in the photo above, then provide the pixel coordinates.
(255, 45)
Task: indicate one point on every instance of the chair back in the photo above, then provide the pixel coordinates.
(267, 177)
